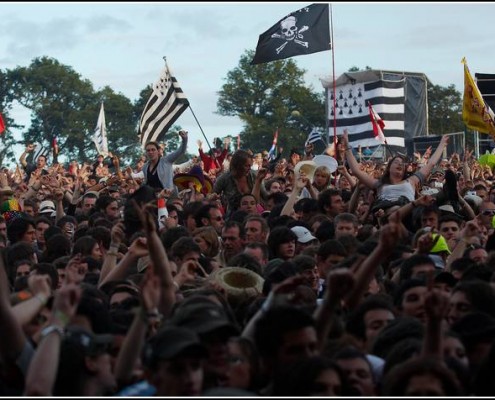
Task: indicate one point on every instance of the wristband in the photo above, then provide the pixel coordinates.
(62, 317)
(52, 328)
(42, 299)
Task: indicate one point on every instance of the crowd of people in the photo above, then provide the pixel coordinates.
(237, 274)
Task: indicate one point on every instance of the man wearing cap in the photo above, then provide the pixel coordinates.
(437, 178)
(211, 323)
(304, 238)
(173, 361)
(47, 209)
(440, 251)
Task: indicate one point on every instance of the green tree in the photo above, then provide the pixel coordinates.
(444, 110)
(264, 96)
(62, 104)
(7, 140)
(120, 123)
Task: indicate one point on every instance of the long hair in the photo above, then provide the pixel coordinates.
(385, 179)
(238, 161)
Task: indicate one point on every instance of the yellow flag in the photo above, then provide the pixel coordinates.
(477, 115)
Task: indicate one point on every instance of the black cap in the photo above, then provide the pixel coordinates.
(89, 342)
(475, 326)
(203, 318)
(172, 341)
(446, 277)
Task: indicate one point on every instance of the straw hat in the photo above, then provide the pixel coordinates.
(239, 283)
(202, 184)
(326, 161)
(306, 167)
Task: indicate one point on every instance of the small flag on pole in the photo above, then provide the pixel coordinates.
(55, 150)
(100, 136)
(2, 124)
(477, 115)
(166, 103)
(378, 125)
(273, 149)
(40, 151)
(313, 137)
(304, 31)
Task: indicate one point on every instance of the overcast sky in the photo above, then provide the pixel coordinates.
(122, 44)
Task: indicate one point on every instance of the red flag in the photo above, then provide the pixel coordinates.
(55, 146)
(378, 125)
(2, 124)
(273, 149)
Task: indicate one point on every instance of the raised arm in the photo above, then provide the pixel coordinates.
(159, 260)
(22, 159)
(181, 150)
(426, 169)
(369, 181)
(42, 372)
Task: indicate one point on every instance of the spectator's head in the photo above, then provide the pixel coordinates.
(21, 229)
(282, 243)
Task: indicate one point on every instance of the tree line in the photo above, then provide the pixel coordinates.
(65, 105)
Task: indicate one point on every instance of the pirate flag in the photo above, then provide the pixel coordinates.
(304, 31)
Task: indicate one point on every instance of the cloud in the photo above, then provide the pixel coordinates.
(102, 23)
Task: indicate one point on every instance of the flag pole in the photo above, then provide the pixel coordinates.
(208, 143)
(334, 105)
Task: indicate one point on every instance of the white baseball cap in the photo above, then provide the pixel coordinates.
(303, 234)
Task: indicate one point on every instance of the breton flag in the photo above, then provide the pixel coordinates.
(304, 31)
(477, 115)
(39, 150)
(273, 149)
(2, 124)
(166, 103)
(378, 125)
(313, 137)
(387, 98)
(100, 136)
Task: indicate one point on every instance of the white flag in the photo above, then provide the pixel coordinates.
(165, 105)
(100, 136)
(388, 101)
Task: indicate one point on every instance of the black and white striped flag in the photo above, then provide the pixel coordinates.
(313, 137)
(388, 101)
(165, 105)
(100, 136)
(40, 151)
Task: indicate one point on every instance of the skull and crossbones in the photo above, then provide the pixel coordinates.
(290, 32)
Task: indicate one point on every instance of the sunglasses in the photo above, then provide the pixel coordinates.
(217, 218)
(488, 212)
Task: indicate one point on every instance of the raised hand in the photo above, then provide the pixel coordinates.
(66, 301)
(340, 283)
(117, 233)
(75, 270)
(183, 134)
